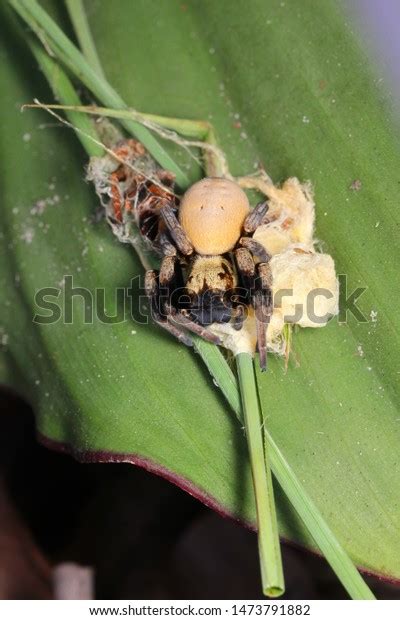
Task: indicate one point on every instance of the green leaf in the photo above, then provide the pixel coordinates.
(295, 79)
(57, 43)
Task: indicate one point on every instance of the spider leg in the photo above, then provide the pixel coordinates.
(175, 230)
(239, 316)
(263, 307)
(179, 334)
(159, 312)
(257, 281)
(181, 318)
(246, 267)
(255, 218)
(165, 244)
(170, 274)
(255, 248)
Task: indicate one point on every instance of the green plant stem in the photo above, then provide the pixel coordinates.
(79, 21)
(190, 128)
(268, 535)
(55, 40)
(308, 512)
(64, 91)
(214, 164)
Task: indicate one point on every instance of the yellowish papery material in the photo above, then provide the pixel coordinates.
(305, 286)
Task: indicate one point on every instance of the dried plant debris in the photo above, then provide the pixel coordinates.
(132, 188)
(304, 283)
(129, 185)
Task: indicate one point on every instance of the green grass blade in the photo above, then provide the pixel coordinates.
(77, 14)
(268, 535)
(64, 91)
(46, 29)
(197, 130)
(221, 372)
(202, 132)
(323, 536)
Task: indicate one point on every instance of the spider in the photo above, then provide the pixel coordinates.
(211, 267)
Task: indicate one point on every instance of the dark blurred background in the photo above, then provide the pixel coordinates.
(143, 537)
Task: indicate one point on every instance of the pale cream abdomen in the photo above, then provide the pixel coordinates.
(212, 213)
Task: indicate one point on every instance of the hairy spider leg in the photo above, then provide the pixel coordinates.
(181, 318)
(175, 230)
(257, 280)
(238, 316)
(153, 293)
(165, 245)
(255, 217)
(255, 248)
(246, 270)
(262, 303)
(171, 284)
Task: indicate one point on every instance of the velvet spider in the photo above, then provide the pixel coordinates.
(211, 268)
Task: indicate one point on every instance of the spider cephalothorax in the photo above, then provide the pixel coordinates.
(211, 267)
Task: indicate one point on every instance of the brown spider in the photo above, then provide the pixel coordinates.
(211, 267)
